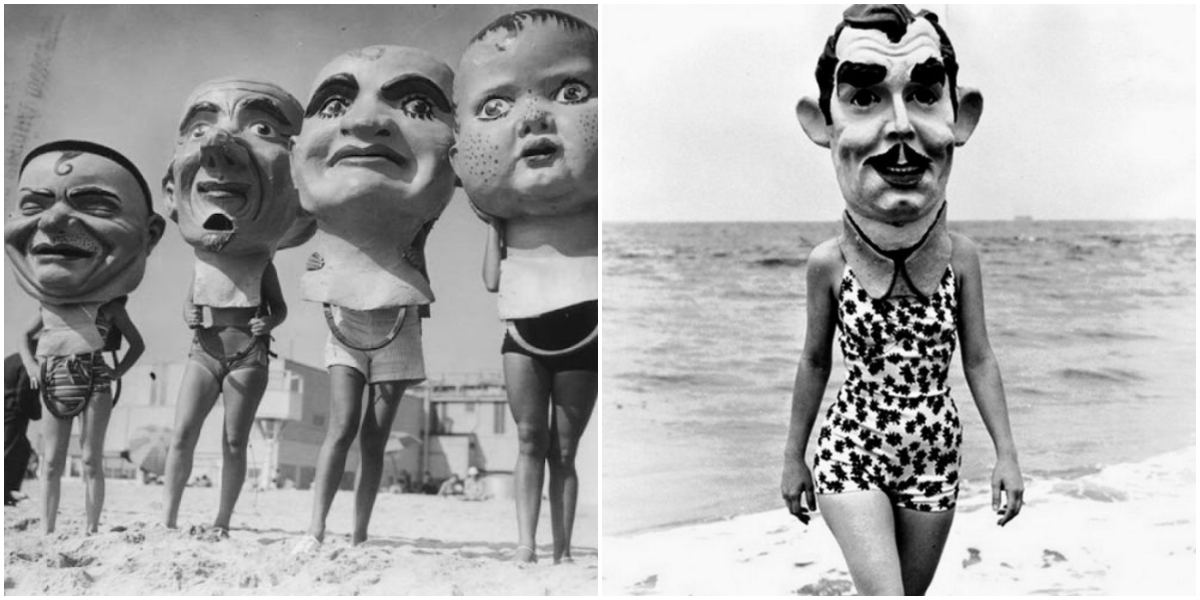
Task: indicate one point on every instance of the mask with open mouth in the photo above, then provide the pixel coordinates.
(81, 228)
(229, 186)
(371, 164)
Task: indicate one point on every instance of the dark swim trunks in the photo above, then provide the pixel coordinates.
(223, 350)
(559, 339)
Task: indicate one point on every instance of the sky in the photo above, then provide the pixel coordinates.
(1089, 113)
(119, 75)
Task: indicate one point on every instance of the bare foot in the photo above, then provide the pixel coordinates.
(524, 555)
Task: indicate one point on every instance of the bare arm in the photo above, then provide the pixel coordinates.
(25, 349)
(811, 377)
(983, 377)
(121, 321)
(192, 314)
(276, 306)
(493, 252)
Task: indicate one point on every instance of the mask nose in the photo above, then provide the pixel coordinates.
(56, 219)
(536, 119)
(219, 151)
(366, 121)
(899, 126)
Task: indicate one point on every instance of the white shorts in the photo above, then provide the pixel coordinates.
(403, 359)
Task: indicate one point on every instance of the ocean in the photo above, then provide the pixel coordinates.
(1093, 324)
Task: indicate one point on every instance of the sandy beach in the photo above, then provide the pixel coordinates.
(1127, 529)
(421, 545)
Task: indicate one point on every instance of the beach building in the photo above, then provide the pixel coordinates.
(444, 425)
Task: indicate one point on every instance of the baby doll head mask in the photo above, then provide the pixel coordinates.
(527, 101)
(371, 165)
(82, 226)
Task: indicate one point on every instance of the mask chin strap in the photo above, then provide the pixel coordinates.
(516, 336)
(341, 337)
(899, 255)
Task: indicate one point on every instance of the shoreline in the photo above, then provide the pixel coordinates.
(1127, 529)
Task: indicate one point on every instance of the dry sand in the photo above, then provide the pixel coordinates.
(421, 545)
(1129, 529)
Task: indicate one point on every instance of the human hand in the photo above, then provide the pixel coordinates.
(1006, 477)
(194, 316)
(315, 262)
(262, 325)
(35, 375)
(797, 486)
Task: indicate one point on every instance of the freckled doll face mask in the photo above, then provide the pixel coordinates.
(230, 187)
(892, 116)
(371, 164)
(527, 103)
(81, 228)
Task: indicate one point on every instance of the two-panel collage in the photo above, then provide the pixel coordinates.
(391, 300)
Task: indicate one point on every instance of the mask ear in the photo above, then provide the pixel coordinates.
(168, 191)
(155, 227)
(812, 120)
(970, 108)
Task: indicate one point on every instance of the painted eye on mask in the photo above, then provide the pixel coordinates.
(262, 128)
(199, 130)
(573, 92)
(924, 96)
(863, 98)
(417, 106)
(494, 109)
(98, 206)
(33, 205)
(334, 107)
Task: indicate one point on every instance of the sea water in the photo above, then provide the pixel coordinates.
(1093, 325)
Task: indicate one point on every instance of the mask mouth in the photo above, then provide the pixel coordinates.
(901, 166)
(60, 251)
(355, 154)
(218, 232)
(540, 151)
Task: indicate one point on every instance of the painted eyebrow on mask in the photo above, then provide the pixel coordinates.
(270, 107)
(860, 75)
(929, 73)
(341, 83)
(404, 85)
(195, 109)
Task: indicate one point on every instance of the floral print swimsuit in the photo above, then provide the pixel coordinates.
(894, 426)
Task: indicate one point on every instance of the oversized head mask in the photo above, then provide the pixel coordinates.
(371, 165)
(891, 114)
(527, 98)
(82, 227)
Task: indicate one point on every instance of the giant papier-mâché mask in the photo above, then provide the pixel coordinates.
(891, 114)
(81, 228)
(527, 101)
(371, 165)
(230, 189)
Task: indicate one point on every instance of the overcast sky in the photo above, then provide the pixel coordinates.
(1089, 112)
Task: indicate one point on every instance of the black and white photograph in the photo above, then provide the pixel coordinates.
(301, 300)
(802, 391)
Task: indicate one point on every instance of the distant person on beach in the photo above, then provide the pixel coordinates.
(473, 488)
(901, 289)
(79, 238)
(452, 486)
(21, 405)
(229, 189)
(371, 165)
(526, 152)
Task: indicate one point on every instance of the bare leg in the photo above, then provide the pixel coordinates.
(243, 390)
(91, 441)
(864, 526)
(385, 399)
(574, 398)
(528, 386)
(921, 537)
(345, 412)
(57, 437)
(197, 395)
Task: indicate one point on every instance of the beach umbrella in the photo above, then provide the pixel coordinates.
(148, 448)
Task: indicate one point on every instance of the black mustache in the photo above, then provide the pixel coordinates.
(892, 157)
